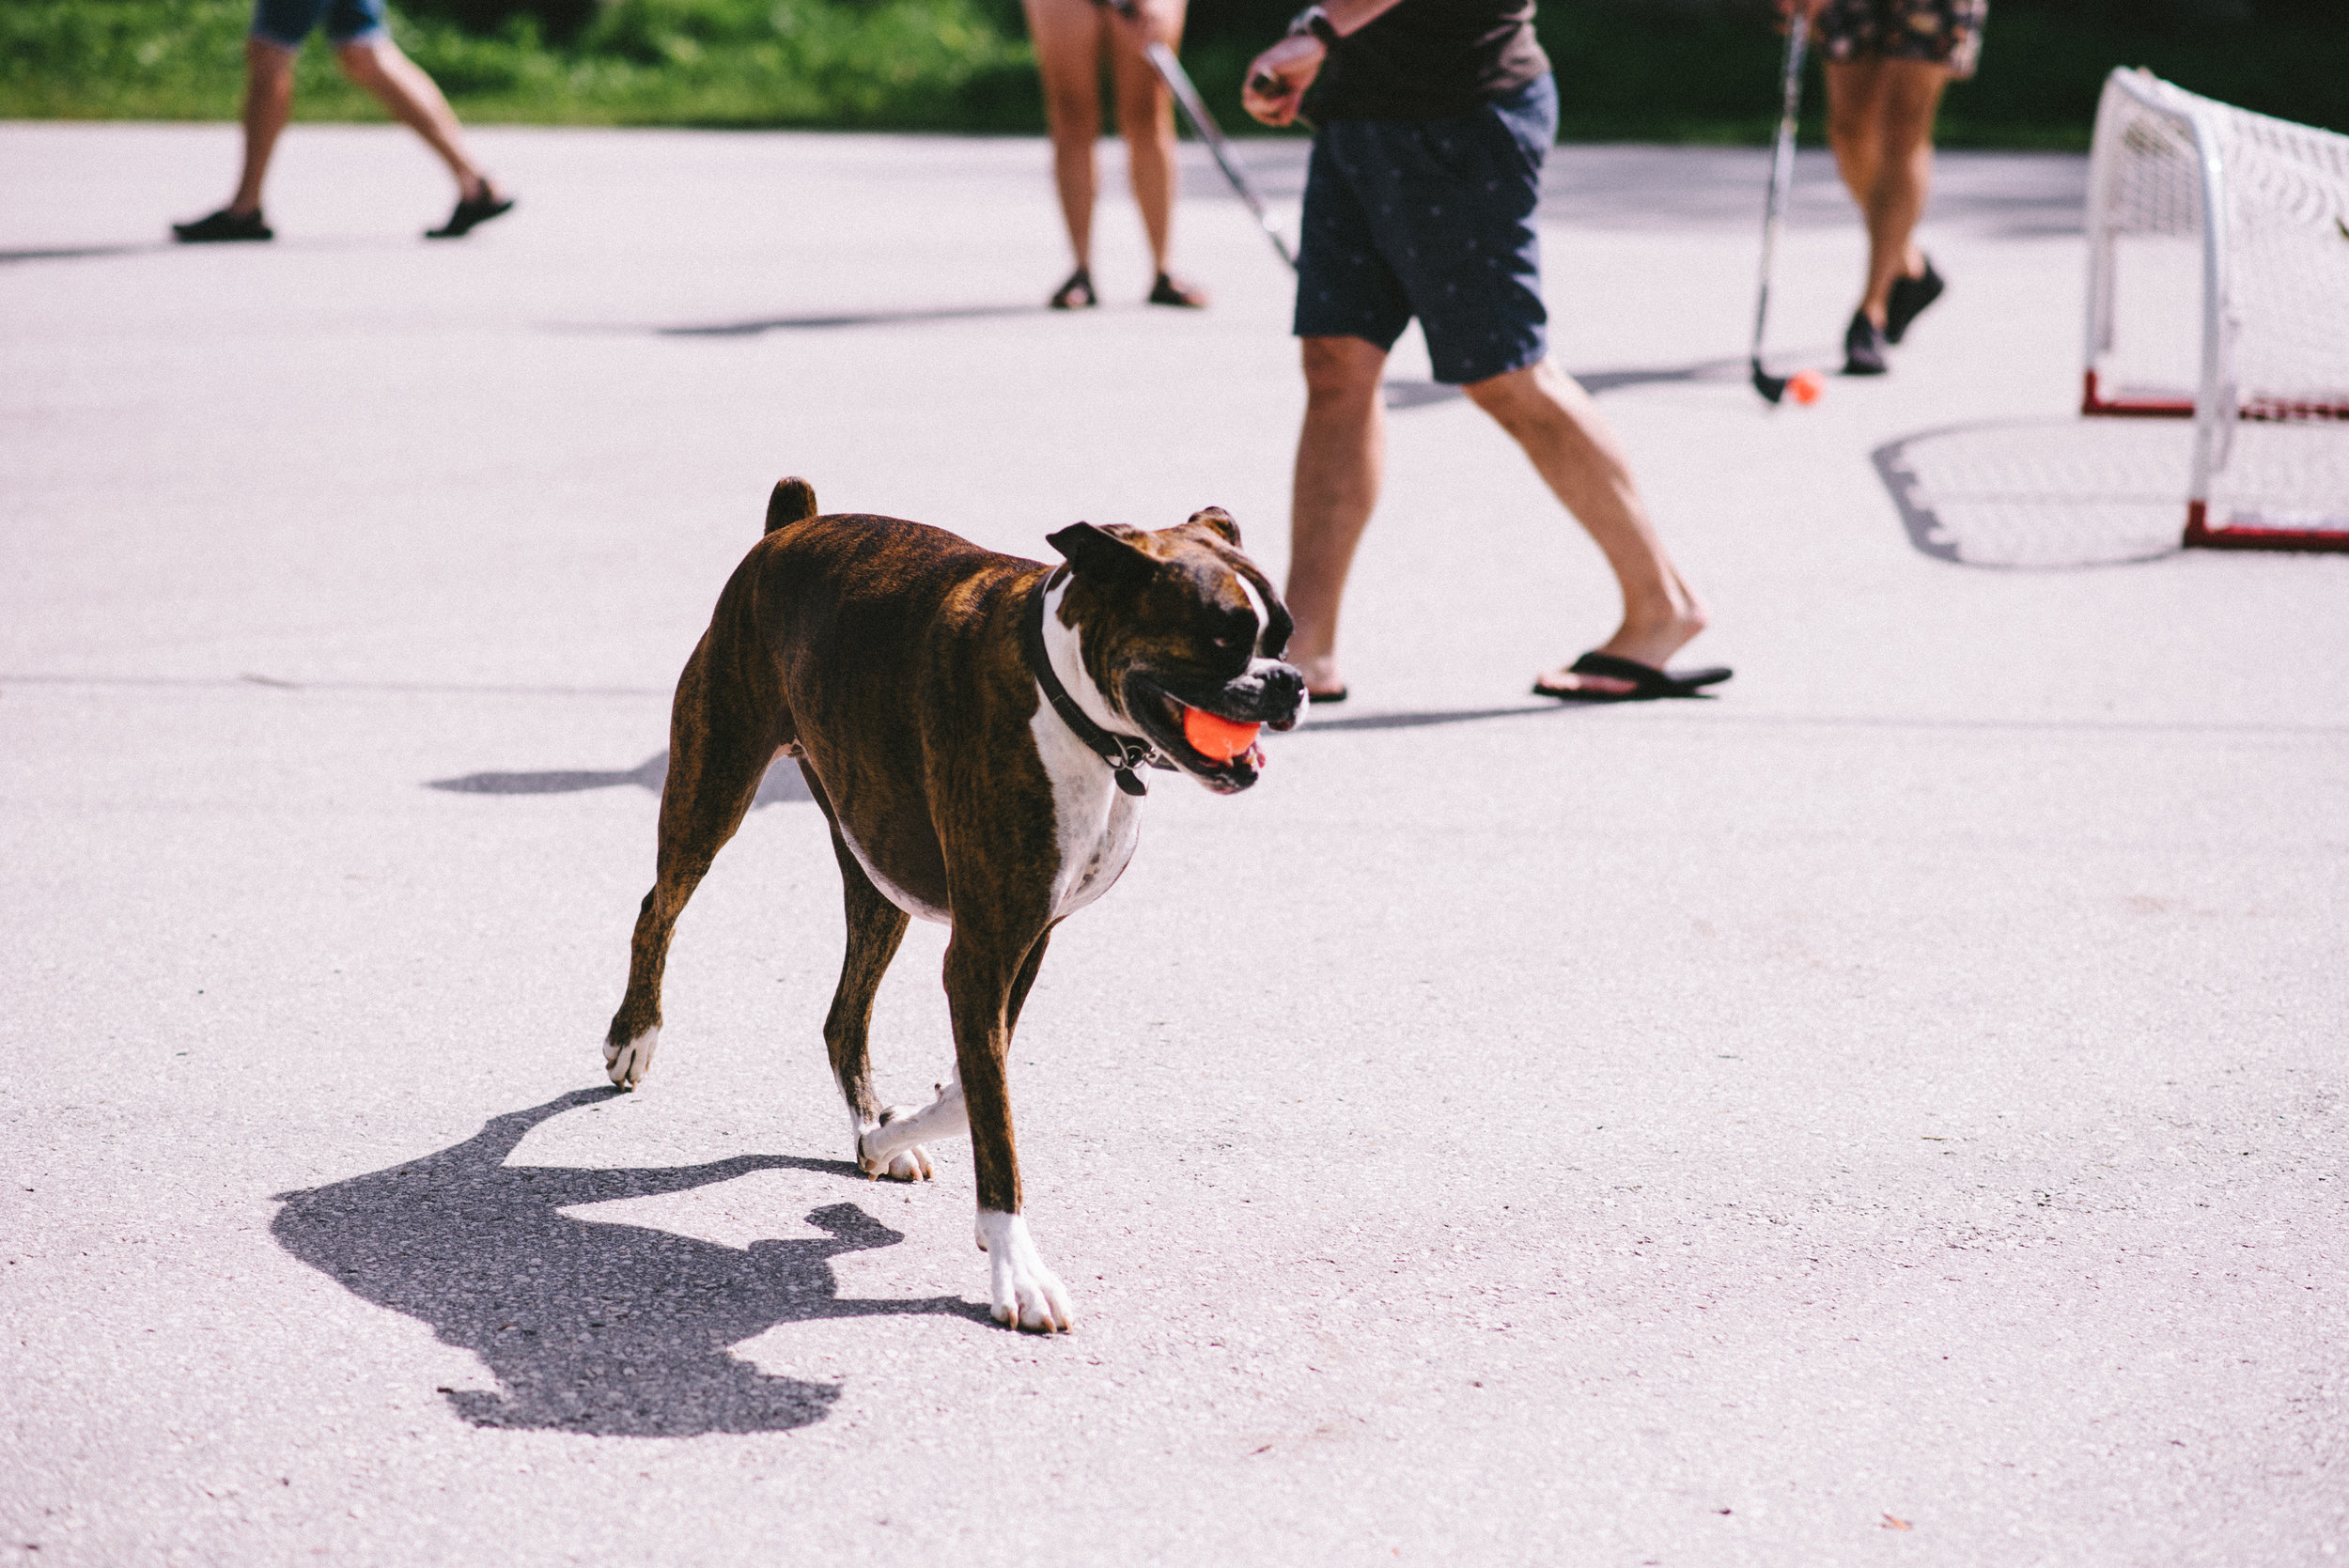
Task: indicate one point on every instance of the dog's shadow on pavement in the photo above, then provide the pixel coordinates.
(589, 1326)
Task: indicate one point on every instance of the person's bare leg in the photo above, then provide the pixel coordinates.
(1068, 37)
(1853, 90)
(1910, 98)
(1880, 124)
(1577, 456)
(1339, 455)
(268, 83)
(1145, 118)
(377, 65)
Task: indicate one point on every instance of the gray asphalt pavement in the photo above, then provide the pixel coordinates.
(1892, 1114)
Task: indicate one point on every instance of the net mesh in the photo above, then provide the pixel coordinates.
(2146, 249)
(2278, 410)
(2288, 272)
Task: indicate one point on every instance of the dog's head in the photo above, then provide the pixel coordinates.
(1176, 619)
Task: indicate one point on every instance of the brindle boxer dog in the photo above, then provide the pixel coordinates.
(971, 725)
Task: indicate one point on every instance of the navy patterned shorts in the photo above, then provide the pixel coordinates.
(1944, 32)
(1432, 219)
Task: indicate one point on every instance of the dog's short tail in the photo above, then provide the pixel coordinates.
(794, 501)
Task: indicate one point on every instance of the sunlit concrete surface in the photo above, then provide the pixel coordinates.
(1890, 1114)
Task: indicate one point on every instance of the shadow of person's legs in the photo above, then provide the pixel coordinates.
(781, 784)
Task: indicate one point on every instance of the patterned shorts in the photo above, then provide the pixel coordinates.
(1432, 219)
(1946, 32)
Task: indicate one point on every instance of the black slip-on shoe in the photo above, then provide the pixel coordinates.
(1909, 298)
(224, 225)
(1864, 347)
(472, 212)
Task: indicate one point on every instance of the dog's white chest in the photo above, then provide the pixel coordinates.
(1097, 824)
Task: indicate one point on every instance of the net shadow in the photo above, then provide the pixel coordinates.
(2041, 494)
(590, 1327)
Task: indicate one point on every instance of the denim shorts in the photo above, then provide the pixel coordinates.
(1432, 219)
(286, 22)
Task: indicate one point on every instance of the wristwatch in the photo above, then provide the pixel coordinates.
(1314, 20)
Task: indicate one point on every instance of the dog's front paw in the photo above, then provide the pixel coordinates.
(628, 1063)
(1023, 1292)
(879, 1154)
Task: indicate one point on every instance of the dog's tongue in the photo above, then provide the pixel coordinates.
(1217, 739)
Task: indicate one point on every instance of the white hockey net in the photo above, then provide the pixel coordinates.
(2218, 286)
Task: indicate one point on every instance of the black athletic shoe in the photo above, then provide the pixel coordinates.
(223, 225)
(1864, 347)
(1909, 298)
(472, 212)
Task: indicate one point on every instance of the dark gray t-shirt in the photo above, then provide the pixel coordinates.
(1425, 59)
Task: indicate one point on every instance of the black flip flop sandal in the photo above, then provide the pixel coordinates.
(1648, 683)
(1076, 293)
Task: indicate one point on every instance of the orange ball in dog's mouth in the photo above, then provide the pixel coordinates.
(1217, 739)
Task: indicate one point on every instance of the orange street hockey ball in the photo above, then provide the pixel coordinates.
(1806, 386)
(1217, 739)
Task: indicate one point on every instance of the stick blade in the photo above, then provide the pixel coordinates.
(1771, 387)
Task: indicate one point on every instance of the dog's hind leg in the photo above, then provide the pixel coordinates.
(876, 926)
(715, 766)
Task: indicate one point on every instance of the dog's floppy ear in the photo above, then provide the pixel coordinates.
(794, 501)
(1099, 554)
(1220, 520)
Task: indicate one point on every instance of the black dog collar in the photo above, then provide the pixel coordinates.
(1123, 752)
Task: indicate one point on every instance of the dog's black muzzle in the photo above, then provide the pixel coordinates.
(1269, 694)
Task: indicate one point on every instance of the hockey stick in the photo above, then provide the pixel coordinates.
(1203, 125)
(1781, 182)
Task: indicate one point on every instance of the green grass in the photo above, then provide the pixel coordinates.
(897, 64)
(1628, 71)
